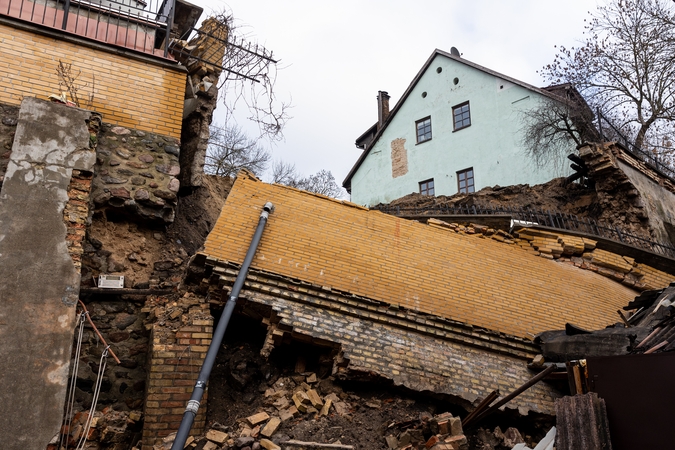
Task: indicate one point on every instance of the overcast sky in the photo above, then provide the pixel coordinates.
(337, 55)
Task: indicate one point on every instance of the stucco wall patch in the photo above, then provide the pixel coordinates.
(399, 158)
(40, 274)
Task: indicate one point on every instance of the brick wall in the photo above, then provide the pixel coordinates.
(467, 278)
(129, 92)
(415, 350)
(582, 253)
(179, 342)
(76, 210)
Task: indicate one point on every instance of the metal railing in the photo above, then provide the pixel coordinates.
(133, 24)
(635, 151)
(551, 219)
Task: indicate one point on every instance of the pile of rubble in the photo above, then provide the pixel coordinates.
(292, 400)
(289, 401)
(108, 430)
(446, 434)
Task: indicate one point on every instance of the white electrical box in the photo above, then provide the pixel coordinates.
(111, 281)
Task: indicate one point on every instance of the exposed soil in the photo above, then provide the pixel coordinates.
(555, 196)
(149, 254)
(198, 211)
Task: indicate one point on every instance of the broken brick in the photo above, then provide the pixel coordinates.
(271, 427)
(257, 418)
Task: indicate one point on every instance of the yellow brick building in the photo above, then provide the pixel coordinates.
(130, 89)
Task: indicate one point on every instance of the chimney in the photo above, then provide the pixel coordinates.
(382, 108)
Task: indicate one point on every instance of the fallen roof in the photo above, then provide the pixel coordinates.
(419, 267)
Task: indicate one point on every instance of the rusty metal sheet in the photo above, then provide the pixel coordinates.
(639, 391)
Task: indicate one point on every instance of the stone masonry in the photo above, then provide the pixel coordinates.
(201, 96)
(136, 173)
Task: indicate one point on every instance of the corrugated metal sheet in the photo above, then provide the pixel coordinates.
(581, 421)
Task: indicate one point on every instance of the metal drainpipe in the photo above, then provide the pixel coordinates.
(193, 404)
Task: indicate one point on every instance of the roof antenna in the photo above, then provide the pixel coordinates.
(455, 52)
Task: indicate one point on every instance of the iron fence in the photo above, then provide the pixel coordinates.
(648, 158)
(134, 24)
(551, 219)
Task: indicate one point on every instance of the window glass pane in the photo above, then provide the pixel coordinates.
(423, 130)
(465, 183)
(461, 116)
(427, 187)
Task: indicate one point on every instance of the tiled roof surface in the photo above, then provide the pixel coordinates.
(425, 268)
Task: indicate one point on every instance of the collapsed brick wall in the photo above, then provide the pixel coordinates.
(582, 253)
(418, 351)
(631, 194)
(181, 334)
(145, 93)
(415, 266)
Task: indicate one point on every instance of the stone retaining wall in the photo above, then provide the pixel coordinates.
(136, 173)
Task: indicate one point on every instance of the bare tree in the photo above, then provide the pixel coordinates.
(556, 126)
(323, 182)
(230, 150)
(249, 76)
(284, 173)
(625, 66)
(246, 72)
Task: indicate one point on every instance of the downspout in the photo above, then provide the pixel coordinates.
(193, 404)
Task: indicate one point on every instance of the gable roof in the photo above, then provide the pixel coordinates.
(347, 181)
(342, 247)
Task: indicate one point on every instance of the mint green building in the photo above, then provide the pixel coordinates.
(457, 128)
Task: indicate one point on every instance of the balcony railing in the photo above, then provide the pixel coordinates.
(132, 24)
